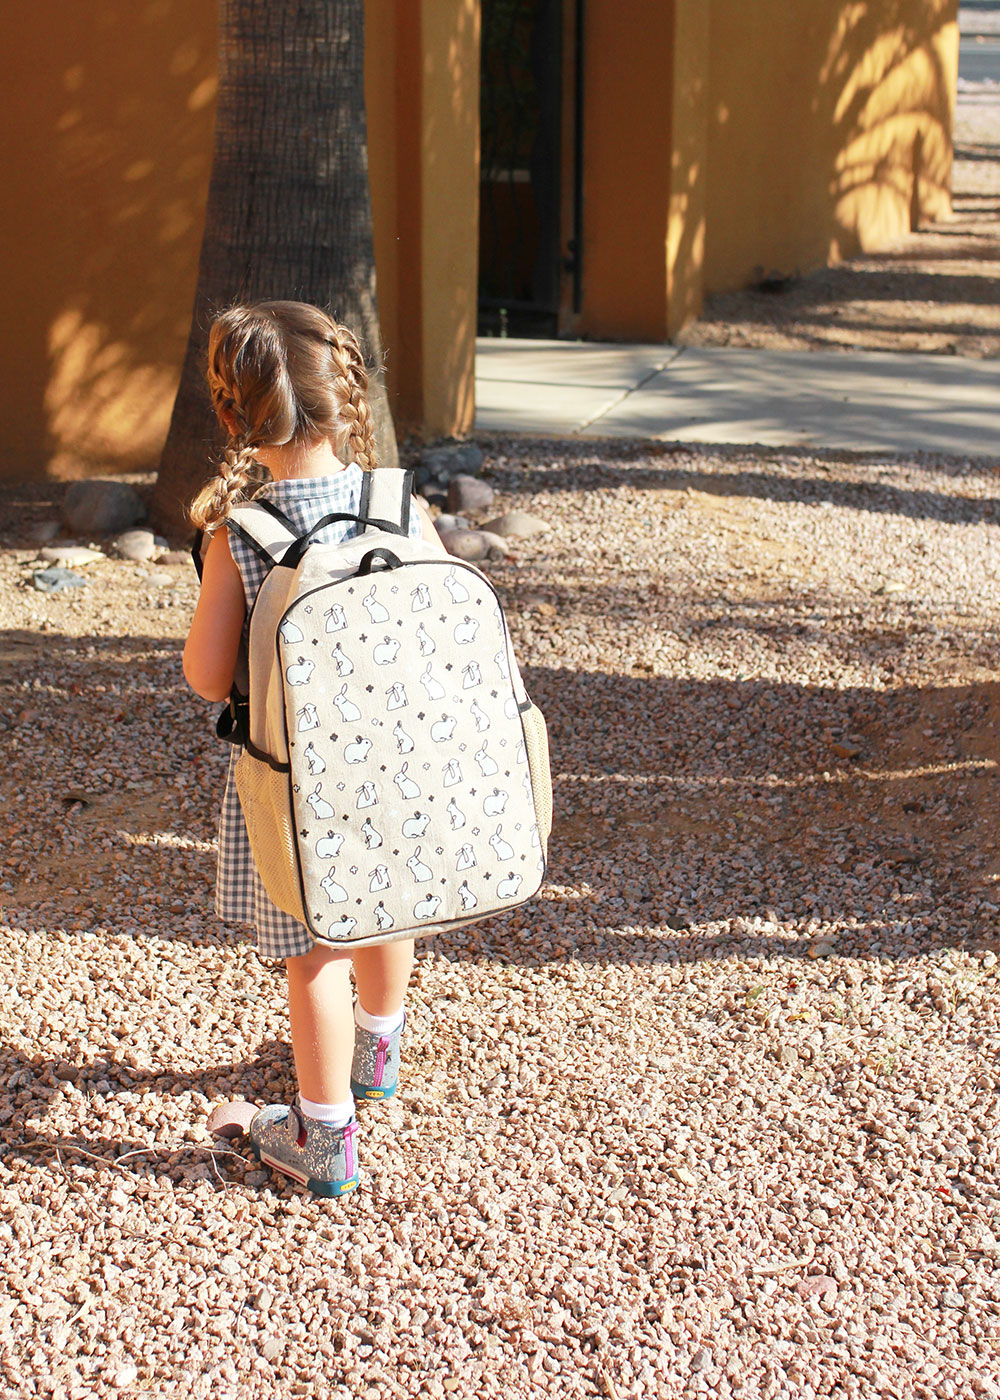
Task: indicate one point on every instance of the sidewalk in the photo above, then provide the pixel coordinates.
(858, 401)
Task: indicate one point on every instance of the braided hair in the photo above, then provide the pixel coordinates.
(281, 372)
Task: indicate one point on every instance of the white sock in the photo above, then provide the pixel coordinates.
(337, 1115)
(377, 1025)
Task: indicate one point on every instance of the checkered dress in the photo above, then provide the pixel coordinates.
(240, 897)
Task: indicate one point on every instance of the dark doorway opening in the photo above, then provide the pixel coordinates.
(531, 168)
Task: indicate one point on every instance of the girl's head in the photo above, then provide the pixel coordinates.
(280, 373)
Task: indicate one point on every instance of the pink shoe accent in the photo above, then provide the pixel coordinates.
(380, 1053)
(349, 1132)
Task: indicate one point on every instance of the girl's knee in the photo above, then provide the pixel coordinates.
(319, 957)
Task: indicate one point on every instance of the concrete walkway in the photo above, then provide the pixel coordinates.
(863, 401)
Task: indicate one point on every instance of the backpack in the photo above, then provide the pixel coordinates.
(394, 775)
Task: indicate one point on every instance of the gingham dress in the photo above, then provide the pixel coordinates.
(240, 897)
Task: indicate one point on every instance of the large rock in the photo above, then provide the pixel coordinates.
(452, 522)
(517, 524)
(101, 507)
(74, 554)
(469, 493)
(473, 545)
(57, 580)
(447, 460)
(137, 545)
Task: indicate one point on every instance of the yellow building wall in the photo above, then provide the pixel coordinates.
(828, 130)
(107, 117)
(107, 136)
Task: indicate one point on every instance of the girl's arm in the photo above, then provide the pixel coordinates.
(214, 640)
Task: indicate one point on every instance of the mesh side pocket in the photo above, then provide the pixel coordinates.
(536, 741)
(266, 802)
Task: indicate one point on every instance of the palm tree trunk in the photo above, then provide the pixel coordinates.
(289, 209)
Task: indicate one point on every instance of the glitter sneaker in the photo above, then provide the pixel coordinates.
(375, 1069)
(314, 1154)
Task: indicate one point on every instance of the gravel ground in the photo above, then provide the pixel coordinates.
(716, 1115)
(936, 292)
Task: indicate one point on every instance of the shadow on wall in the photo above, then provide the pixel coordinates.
(107, 178)
(855, 151)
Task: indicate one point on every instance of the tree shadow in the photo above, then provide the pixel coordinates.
(606, 465)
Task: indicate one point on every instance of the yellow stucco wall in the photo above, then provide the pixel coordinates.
(722, 140)
(107, 138)
(820, 118)
(107, 145)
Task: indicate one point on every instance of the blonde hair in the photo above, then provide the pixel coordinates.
(280, 372)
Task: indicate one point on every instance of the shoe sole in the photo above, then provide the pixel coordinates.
(318, 1188)
(366, 1091)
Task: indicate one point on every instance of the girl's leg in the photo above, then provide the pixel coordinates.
(382, 974)
(322, 1023)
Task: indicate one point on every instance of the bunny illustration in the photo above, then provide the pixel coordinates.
(487, 766)
(521, 756)
(407, 787)
(457, 590)
(404, 744)
(415, 826)
(526, 784)
(421, 596)
(494, 802)
(502, 666)
(469, 900)
(466, 631)
(451, 773)
(328, 846)
(289, 633)
(508, 888)
(504, 850)
(320, 806)
(418, 869)
(471, 675)
(379, 879)
(300, 671)
(336, 619)
(335, 893)
(307, 718)
(434, 688)
(510, 707)
(466, 858)
(349, 712)
(367, 796)
(386, 652)
(443, 729)
(342, 927)
(396, 697)
(345, 666)
(425, 641)
(457, 816)
(315, 761)
(383, 919)
(480, 716)
(427, 907)
(535, 838)
(373, 838)
(373, 607)
(358, 751)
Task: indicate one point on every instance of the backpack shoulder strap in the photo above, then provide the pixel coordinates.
(385, 499)
(263, 527)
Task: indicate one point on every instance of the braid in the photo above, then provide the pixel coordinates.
(239, 479)
(351, 385)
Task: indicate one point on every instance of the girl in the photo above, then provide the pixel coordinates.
(289, 386)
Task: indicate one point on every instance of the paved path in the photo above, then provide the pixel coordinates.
(859, 401)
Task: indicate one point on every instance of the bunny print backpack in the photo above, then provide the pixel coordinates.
(394, 775)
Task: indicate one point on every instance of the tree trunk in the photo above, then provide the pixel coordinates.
(289, 208)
